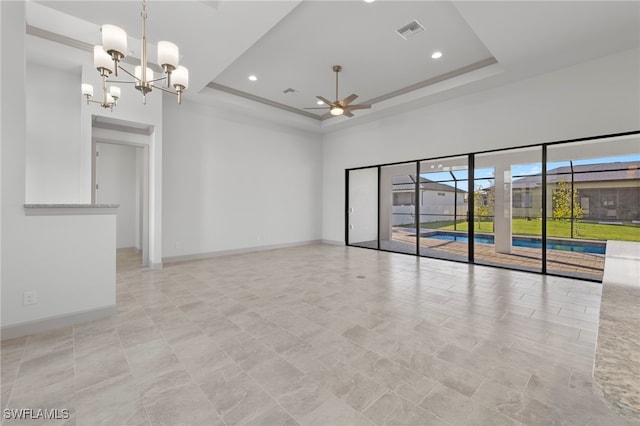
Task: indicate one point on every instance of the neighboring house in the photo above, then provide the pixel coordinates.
(605, 191)
(437, 201)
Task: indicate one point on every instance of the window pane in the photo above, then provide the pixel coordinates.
(508, 209)
(363, 207)
(397, 208)
(444, 202)
(593, 190)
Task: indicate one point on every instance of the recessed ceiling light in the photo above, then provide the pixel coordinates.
(320, 103)
(253, 78)
(369, 1)
(436, 55)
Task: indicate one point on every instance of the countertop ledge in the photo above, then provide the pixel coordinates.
(616, 372)
(69, 209)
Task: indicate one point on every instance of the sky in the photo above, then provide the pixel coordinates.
(483, 176)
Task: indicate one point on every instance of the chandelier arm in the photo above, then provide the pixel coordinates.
(157, 79)
(127, 72)
(120, 81)
(165, 90)
(178, 93)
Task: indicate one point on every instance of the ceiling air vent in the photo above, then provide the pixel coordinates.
(410, 30)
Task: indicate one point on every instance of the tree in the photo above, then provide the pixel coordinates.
(563, 200)
(484, 200)
(566, 205)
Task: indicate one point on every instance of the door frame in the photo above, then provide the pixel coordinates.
(145, 186)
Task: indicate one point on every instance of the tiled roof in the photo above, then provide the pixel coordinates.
(585, 173)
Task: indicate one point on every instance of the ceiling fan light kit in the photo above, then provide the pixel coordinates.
(336, 110)
(107, 58)
(342, 107)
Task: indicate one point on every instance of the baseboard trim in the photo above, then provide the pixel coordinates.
(201, 256)
(57, 321)
(155, 265)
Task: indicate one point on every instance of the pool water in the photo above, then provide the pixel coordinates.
(579, 247)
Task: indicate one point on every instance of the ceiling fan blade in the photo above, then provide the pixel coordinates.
(325, 100)
(327, 107)
(361, 106)
(349, 99)
(347, 113)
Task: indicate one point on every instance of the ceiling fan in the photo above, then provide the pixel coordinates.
(342, 107)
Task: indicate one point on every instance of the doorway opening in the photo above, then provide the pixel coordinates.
(120, 175)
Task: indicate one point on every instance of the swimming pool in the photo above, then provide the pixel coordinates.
(576, 246)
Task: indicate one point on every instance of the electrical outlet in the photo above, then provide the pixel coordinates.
(177, 244)
(29, 298)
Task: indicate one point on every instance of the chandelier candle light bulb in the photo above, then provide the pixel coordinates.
(114, 91)
(180, 81)
(102, 61)
(114, 42)
(107, 58)
(168, 54)
(87, 90)
(140, 79)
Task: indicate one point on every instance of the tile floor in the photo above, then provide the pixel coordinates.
(320, 335)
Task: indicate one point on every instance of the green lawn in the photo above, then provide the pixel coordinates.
(555, 228)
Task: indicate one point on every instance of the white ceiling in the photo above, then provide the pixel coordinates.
(293, 44)
(299, 52)
(200, 30)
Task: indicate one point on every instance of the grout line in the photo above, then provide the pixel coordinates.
(124, 353)
(193, 382)
(17, 374)
(479, 386)
(245, 371)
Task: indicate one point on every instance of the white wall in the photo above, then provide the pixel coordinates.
(53, 136)
(593, 98)
(116, 177)
(235, 182)
(68, 260)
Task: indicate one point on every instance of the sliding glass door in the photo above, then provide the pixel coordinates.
(593, 195)
(398, 208)
(362, 210)
(547, 208)
(508, 209)
(443, 201)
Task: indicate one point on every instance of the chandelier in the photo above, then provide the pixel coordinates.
(107, 58)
